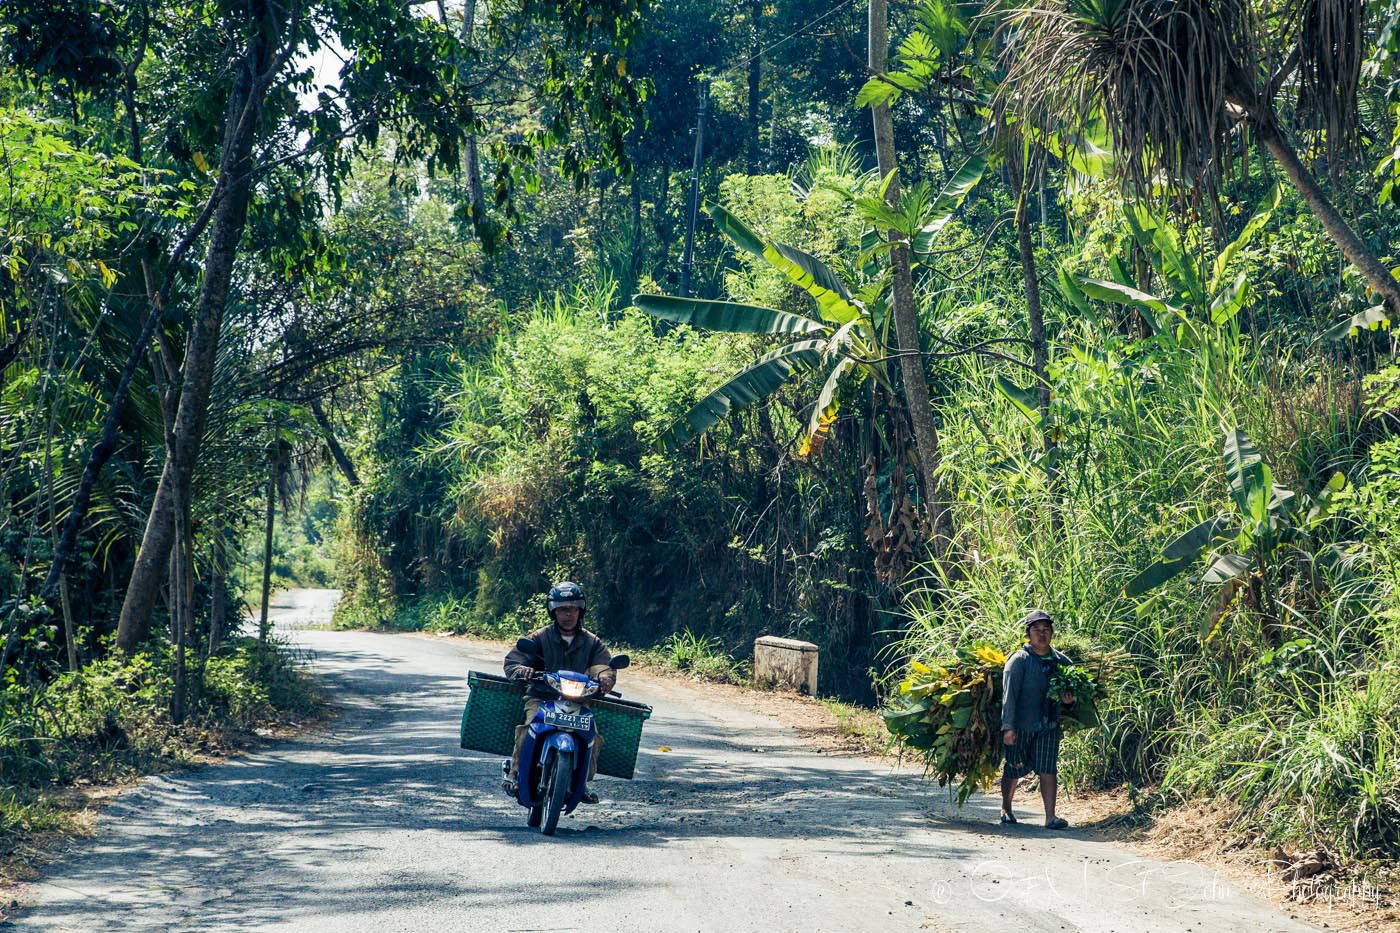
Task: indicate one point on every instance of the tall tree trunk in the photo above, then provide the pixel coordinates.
(634, 204)
(1039, 350)
(264, 626)
(1353, 248)
(906, 321)
(755, 83)
(660, 220)
(179, 610)
(65, 605)
(693, 207)
(473, 160)
(107, 441)
(226, 229)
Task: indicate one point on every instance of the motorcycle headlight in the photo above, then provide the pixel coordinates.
(571, 689)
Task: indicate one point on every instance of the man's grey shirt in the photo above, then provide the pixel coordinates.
(1025, 685)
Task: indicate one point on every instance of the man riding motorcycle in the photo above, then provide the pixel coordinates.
(563, 645)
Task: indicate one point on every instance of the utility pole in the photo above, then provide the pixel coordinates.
(688, 258)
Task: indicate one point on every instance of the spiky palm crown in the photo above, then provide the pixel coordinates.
(1173, 78)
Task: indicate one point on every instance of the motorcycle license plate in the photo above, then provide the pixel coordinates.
(580, 721)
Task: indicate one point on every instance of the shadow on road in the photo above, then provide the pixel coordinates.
(301, 828)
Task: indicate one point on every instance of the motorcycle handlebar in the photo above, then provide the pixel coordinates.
(542, 677)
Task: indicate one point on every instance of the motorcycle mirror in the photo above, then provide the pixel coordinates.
(620, 661)
(525, 645)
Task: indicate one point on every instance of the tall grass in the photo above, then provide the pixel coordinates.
(1303, 736)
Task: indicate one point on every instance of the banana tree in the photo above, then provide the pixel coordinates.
(1241, 545)
(847, 341)
(1193, 300)
(1195, 306)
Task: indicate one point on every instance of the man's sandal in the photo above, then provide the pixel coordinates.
(1057, 823)
(1008, 820)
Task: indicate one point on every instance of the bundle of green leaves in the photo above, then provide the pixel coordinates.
(1087, 691)
(950, 712)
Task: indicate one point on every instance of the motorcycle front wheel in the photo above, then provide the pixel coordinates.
(557, 786)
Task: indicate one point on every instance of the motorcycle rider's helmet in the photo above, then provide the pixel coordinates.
(565, 594)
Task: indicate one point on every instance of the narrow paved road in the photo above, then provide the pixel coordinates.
(382, 824)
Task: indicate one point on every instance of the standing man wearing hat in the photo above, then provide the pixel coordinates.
(1030, 717)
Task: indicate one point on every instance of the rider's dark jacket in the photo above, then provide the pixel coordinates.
(551, 653)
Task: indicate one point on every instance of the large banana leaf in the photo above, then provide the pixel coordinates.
(735, 229)
(1125, 295)
(1244, 468)
(1026, 401)
(948, 201)
(1156, 574)
(758, 381)
(815, 278)
(727, 316)
(1370, 319)
(1192, 542)
(1164, 249)
(1262, 213)
(1226, 567)
(1075, 297)
(1229, 300)
(802, 269)
(1183, 551)
(825, 410)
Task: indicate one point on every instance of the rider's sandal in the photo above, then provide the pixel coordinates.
(510, 786)
(588, 796)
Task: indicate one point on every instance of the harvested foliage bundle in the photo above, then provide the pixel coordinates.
(950, 712)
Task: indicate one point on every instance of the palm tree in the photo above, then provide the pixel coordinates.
(1174, 79)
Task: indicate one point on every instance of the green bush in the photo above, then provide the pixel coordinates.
(112, 718)
(1289, 715)
(1329, 773)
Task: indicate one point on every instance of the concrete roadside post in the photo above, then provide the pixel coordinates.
(785, 662)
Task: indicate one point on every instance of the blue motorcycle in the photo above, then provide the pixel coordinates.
(561, 740)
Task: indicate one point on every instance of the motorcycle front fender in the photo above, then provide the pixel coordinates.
(579, 744)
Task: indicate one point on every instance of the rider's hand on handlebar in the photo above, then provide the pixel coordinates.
(525, 673)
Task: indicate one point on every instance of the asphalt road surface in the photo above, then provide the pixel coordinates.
(381, 823)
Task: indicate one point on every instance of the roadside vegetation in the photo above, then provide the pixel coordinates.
(960, 330)
(109, 723)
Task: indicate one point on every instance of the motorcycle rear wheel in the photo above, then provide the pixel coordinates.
(558, 784)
